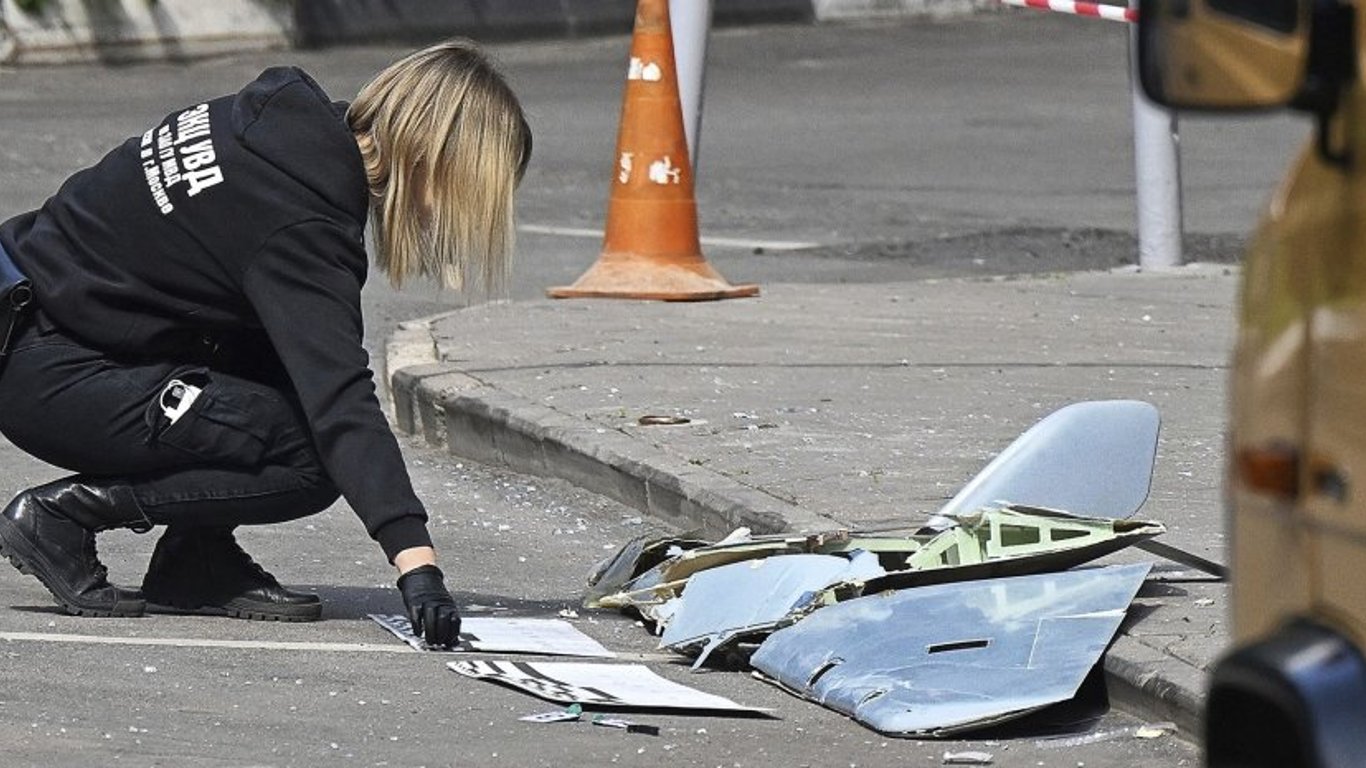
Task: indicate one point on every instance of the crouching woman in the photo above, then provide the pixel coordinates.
(195, 355)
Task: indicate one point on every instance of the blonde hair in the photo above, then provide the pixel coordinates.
(445, 144)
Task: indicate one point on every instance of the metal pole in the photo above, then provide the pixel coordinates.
(1157, 175)
(691, 22)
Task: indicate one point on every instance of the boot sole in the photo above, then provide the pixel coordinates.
(25, 557)
(244, 610)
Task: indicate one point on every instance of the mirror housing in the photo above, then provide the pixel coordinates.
(1224, 54)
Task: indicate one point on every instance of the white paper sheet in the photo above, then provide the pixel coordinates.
(611, 685)
(550, 637)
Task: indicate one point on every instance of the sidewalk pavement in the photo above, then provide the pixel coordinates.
(825, 406)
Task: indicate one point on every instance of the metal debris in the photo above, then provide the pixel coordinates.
(972, 619)
(725, 604)
(597, 685)
(1094, 457)
(625, 725)
(568, 714)
(654, 420)
(1057, 497)
(1154, 730)
(512, 635)
(967, 758)
(1007, 540)
(947, 658)
(636, 556)
(1145, 731)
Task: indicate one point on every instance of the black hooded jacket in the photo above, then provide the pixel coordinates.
(242, 213)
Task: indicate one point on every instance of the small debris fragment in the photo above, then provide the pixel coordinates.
(967, 758)
(1154, 730)
(652, 420)
(626, 725)
(568, 613)
(1204, 601)
(568, 714)
(1145, 731)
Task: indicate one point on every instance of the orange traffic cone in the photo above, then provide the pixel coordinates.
(651, 248)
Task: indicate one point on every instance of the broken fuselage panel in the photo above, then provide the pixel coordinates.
(1005, 540)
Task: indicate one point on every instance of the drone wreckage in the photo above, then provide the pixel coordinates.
(978, 617)
(981, 615)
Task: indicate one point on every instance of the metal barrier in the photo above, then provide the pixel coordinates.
(1157, 159)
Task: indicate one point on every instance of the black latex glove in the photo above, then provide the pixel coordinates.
(430, 606)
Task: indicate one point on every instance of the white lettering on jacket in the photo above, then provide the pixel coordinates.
(184, 155)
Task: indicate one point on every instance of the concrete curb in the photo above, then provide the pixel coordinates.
(476, 421)
(1154, 685)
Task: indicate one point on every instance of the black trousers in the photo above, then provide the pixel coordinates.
(241, 455)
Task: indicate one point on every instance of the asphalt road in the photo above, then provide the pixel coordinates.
(1000, 143)
(895, 151)
(164, 691)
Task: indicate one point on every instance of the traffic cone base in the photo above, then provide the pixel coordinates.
(628, 277)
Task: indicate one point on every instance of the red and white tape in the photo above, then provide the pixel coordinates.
(1079, 8)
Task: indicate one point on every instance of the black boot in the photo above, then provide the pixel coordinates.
(49, 532)
(204, 570)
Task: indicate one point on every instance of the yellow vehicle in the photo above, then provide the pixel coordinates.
(1292, 692)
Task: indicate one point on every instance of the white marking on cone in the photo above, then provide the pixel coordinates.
(649, 71)
(665, 172)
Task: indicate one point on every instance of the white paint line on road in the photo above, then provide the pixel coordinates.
(258, 645)
(190, 642)
(767, 245)
(719, 242)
